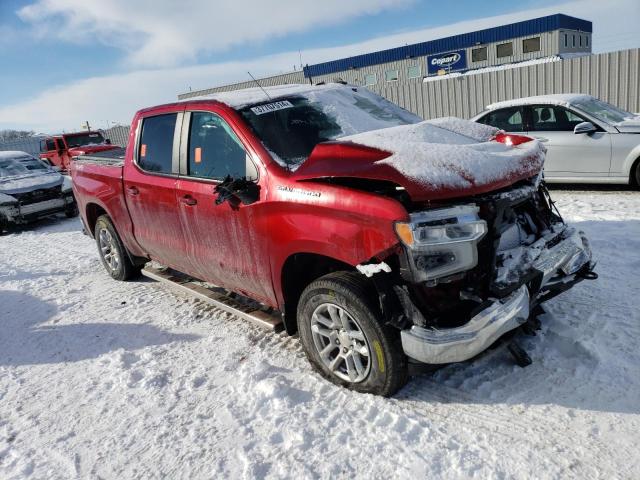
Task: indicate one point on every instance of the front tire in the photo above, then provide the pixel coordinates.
(113, 254)
(72, 211)
(345, 340)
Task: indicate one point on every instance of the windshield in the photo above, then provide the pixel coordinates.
(82, 139)
(11, 168)
(602, 110)
(291, 127)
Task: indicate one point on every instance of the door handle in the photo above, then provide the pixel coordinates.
(188, 200)
(133, 191)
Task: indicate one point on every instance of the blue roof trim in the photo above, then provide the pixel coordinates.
(456, 42)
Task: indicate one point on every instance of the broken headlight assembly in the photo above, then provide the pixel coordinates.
(442, 242)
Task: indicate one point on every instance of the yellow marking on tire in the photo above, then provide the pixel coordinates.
(378, 348)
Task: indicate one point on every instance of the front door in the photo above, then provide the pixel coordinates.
(569, 154)
(223, 241)
(150, 189)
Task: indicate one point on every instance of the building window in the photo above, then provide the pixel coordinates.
(391, 75)
(414, 71)
(504, 50)
(479, 54)
(586, 39)
(531, 45)
(370, 79)
(574, 41)
(566, 40)
(580, 40)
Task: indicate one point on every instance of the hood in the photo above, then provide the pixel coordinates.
(91, 148)
(28, 183)
(436, 159)
(632, 125)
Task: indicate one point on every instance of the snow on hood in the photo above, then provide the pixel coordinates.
(27, 183)
(631, 125)
(451, 153)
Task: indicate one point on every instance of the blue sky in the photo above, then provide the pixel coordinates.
(58, 55)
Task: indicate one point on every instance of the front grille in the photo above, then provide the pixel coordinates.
(37, 196)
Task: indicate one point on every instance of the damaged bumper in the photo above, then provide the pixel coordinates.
(556, 268)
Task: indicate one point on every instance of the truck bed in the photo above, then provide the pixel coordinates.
(108, 157)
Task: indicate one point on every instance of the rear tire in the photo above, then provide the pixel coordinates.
(113, 254)
(345, 340)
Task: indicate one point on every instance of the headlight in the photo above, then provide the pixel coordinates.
(443, 241)
(66, 184)
(7, 200)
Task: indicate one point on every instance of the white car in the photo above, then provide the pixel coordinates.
(587, 140)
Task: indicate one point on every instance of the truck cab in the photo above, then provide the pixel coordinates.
(58, 150)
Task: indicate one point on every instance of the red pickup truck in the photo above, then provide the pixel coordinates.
(58, 150)
(385, 241)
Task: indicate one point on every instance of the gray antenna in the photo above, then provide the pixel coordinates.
(258, 83)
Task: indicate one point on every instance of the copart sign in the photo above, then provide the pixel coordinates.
(449, 62)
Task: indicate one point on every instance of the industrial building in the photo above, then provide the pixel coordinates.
(544, 37)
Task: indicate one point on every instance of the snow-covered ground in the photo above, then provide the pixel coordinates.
(101, 379)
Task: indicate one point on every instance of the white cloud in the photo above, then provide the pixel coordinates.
(117, 97)
(166, 33)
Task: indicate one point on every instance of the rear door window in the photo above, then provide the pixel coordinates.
(155, 152)
(507, 119)
(215, 151)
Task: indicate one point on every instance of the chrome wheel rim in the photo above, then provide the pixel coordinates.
(340, 342)
(109, 249)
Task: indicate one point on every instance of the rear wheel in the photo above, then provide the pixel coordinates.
(112, 252)
(345, 340)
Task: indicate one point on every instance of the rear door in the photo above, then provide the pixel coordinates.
(569, 154)
(150, 188)
(223, 242)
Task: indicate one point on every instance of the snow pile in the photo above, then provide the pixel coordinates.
(555, 99)
(106, 379)
(451, 152)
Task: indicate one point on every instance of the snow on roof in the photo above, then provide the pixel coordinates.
(249, 96)
(450, 152)
(556, 99)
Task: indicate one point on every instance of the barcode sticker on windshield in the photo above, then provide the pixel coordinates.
(271, 107)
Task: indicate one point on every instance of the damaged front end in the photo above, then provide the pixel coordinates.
(474, 271)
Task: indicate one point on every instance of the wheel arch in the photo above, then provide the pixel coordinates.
(298, 271)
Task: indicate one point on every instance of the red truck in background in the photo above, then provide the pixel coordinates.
(385, 241)
(58, 150)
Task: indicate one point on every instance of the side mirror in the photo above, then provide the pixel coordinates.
(107, 141)
(584, 127)
(237, 190)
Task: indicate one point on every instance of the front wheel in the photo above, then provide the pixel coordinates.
(112, 252)
(345, 339)
(72, 211)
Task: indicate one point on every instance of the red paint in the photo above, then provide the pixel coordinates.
(62, 154)
(175, 221)
(511, 139)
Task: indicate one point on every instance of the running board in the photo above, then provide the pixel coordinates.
(254, 312)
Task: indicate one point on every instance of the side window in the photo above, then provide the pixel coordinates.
(553, 119)
(60, 144)
(215, 151)
(51, 144)
(507, 119)
(155, 152)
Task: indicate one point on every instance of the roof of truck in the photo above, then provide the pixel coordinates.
(249, 96)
